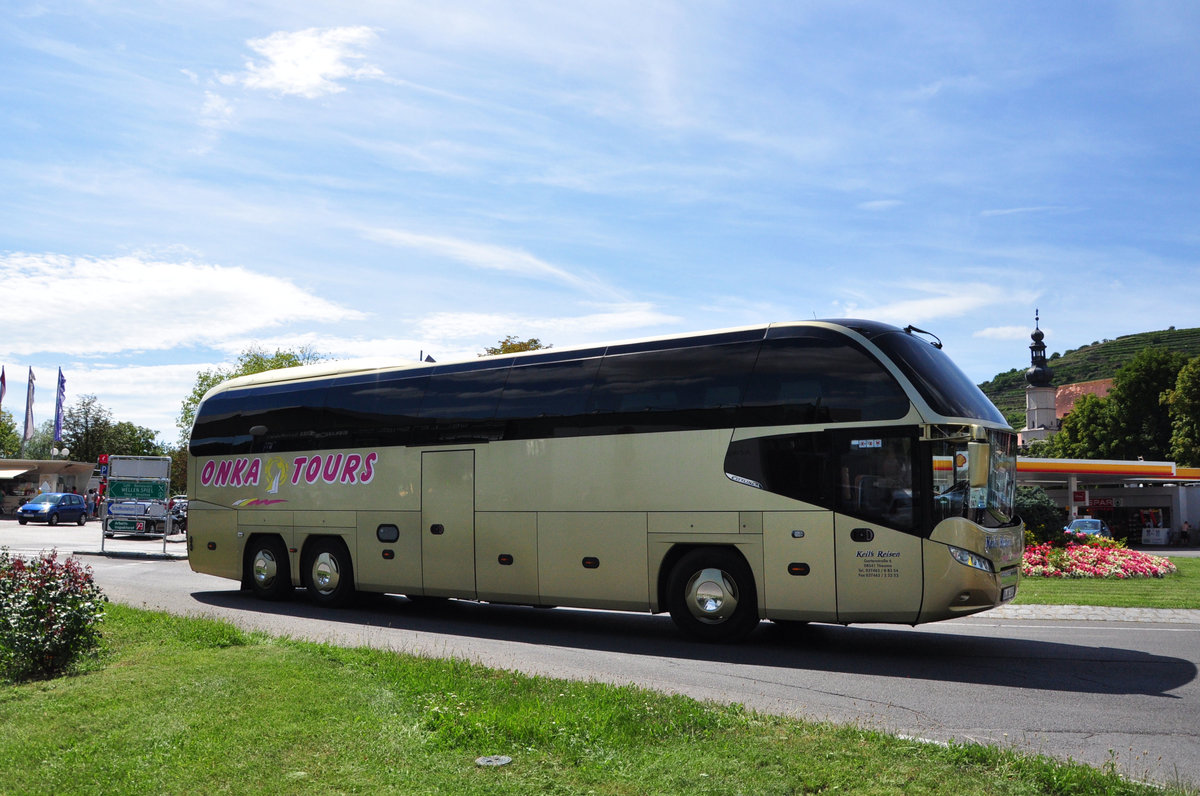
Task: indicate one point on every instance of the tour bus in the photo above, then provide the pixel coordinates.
(822, 471)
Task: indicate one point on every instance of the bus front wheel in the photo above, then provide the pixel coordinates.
(270, 574)
(328, 575)
(711, 595)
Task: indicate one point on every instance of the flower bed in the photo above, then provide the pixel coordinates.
(1092, 558)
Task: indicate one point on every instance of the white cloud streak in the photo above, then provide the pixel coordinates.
(490, 257)
(220, 301)
(937, 301)
(308, 63)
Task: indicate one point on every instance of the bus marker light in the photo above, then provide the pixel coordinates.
(797, 534)
(798, 569)
(591, 562)
(389, 554)
(505, 559)
(212, 545)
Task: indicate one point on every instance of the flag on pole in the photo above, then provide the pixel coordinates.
(3, 385)
(29, 410)
(58, 406)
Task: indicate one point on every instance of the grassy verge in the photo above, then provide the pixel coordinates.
(1180, 590)
(194, 706)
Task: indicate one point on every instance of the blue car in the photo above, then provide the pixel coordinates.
(53, 508)
(1090, 525)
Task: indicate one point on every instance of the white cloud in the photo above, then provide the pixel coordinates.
(133, 292)
(308, 63)
(935, 301)
(462, 335)
(488, 256)
(149, 396)
(579, 329)
(1013, 211)
(216, 111)
(880, 204)
(1003, 333)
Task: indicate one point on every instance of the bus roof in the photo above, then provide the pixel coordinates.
(346, 367)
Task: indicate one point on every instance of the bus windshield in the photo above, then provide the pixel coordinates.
(940, 382)
(953, 496)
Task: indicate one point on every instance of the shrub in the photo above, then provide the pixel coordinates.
(50, 612)
(1043, 519)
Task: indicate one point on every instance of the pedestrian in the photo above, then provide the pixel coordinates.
(89, 503)
(1185, 533)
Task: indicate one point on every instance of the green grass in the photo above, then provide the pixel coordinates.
(1181, 590)
(178, 705)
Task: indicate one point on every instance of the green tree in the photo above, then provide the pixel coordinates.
(85, 429)
(126, 439)
(40, 444)
(511, 345)
(252, 360)
(1087, 432)
(1141, 420)
(1132, 421)
(178, 470)
(1042, 517)
(10, 438)
(1183, 404)
(89, 430)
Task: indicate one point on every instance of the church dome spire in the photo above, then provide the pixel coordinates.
(1039, 373)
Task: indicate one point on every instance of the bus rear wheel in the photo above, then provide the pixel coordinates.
(711, 595)
(270, 573)
(328, 573)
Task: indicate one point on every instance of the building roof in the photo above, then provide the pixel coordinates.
(1067, 395)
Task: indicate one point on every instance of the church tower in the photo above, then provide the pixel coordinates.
(1040, 417)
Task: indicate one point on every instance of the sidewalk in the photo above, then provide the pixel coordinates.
(1094, 613)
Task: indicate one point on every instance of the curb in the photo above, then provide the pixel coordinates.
(1095, 613)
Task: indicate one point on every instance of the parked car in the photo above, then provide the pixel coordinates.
(53, 508)
(1090, 525)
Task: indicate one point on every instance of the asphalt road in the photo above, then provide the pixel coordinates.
(1094, 691)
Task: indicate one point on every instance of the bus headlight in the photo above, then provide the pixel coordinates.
(967, 558)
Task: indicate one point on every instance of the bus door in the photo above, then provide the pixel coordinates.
(448, 523)
(880, 574)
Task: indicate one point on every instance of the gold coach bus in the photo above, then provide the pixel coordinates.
(830, 471)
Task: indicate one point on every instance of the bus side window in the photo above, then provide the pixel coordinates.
(675, 388)
(820, 377)
(798, 466)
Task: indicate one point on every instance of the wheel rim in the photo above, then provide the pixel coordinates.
(266, 568)
(711, 596)
(326, 573)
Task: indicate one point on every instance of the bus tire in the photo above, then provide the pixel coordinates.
(328, 574)
(711, 595)
(270, 575)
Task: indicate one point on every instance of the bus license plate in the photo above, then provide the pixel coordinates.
(1007, 593)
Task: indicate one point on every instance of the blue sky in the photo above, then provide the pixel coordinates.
(180, 180)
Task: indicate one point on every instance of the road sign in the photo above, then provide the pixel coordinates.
(127, 525)
(138, 490)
